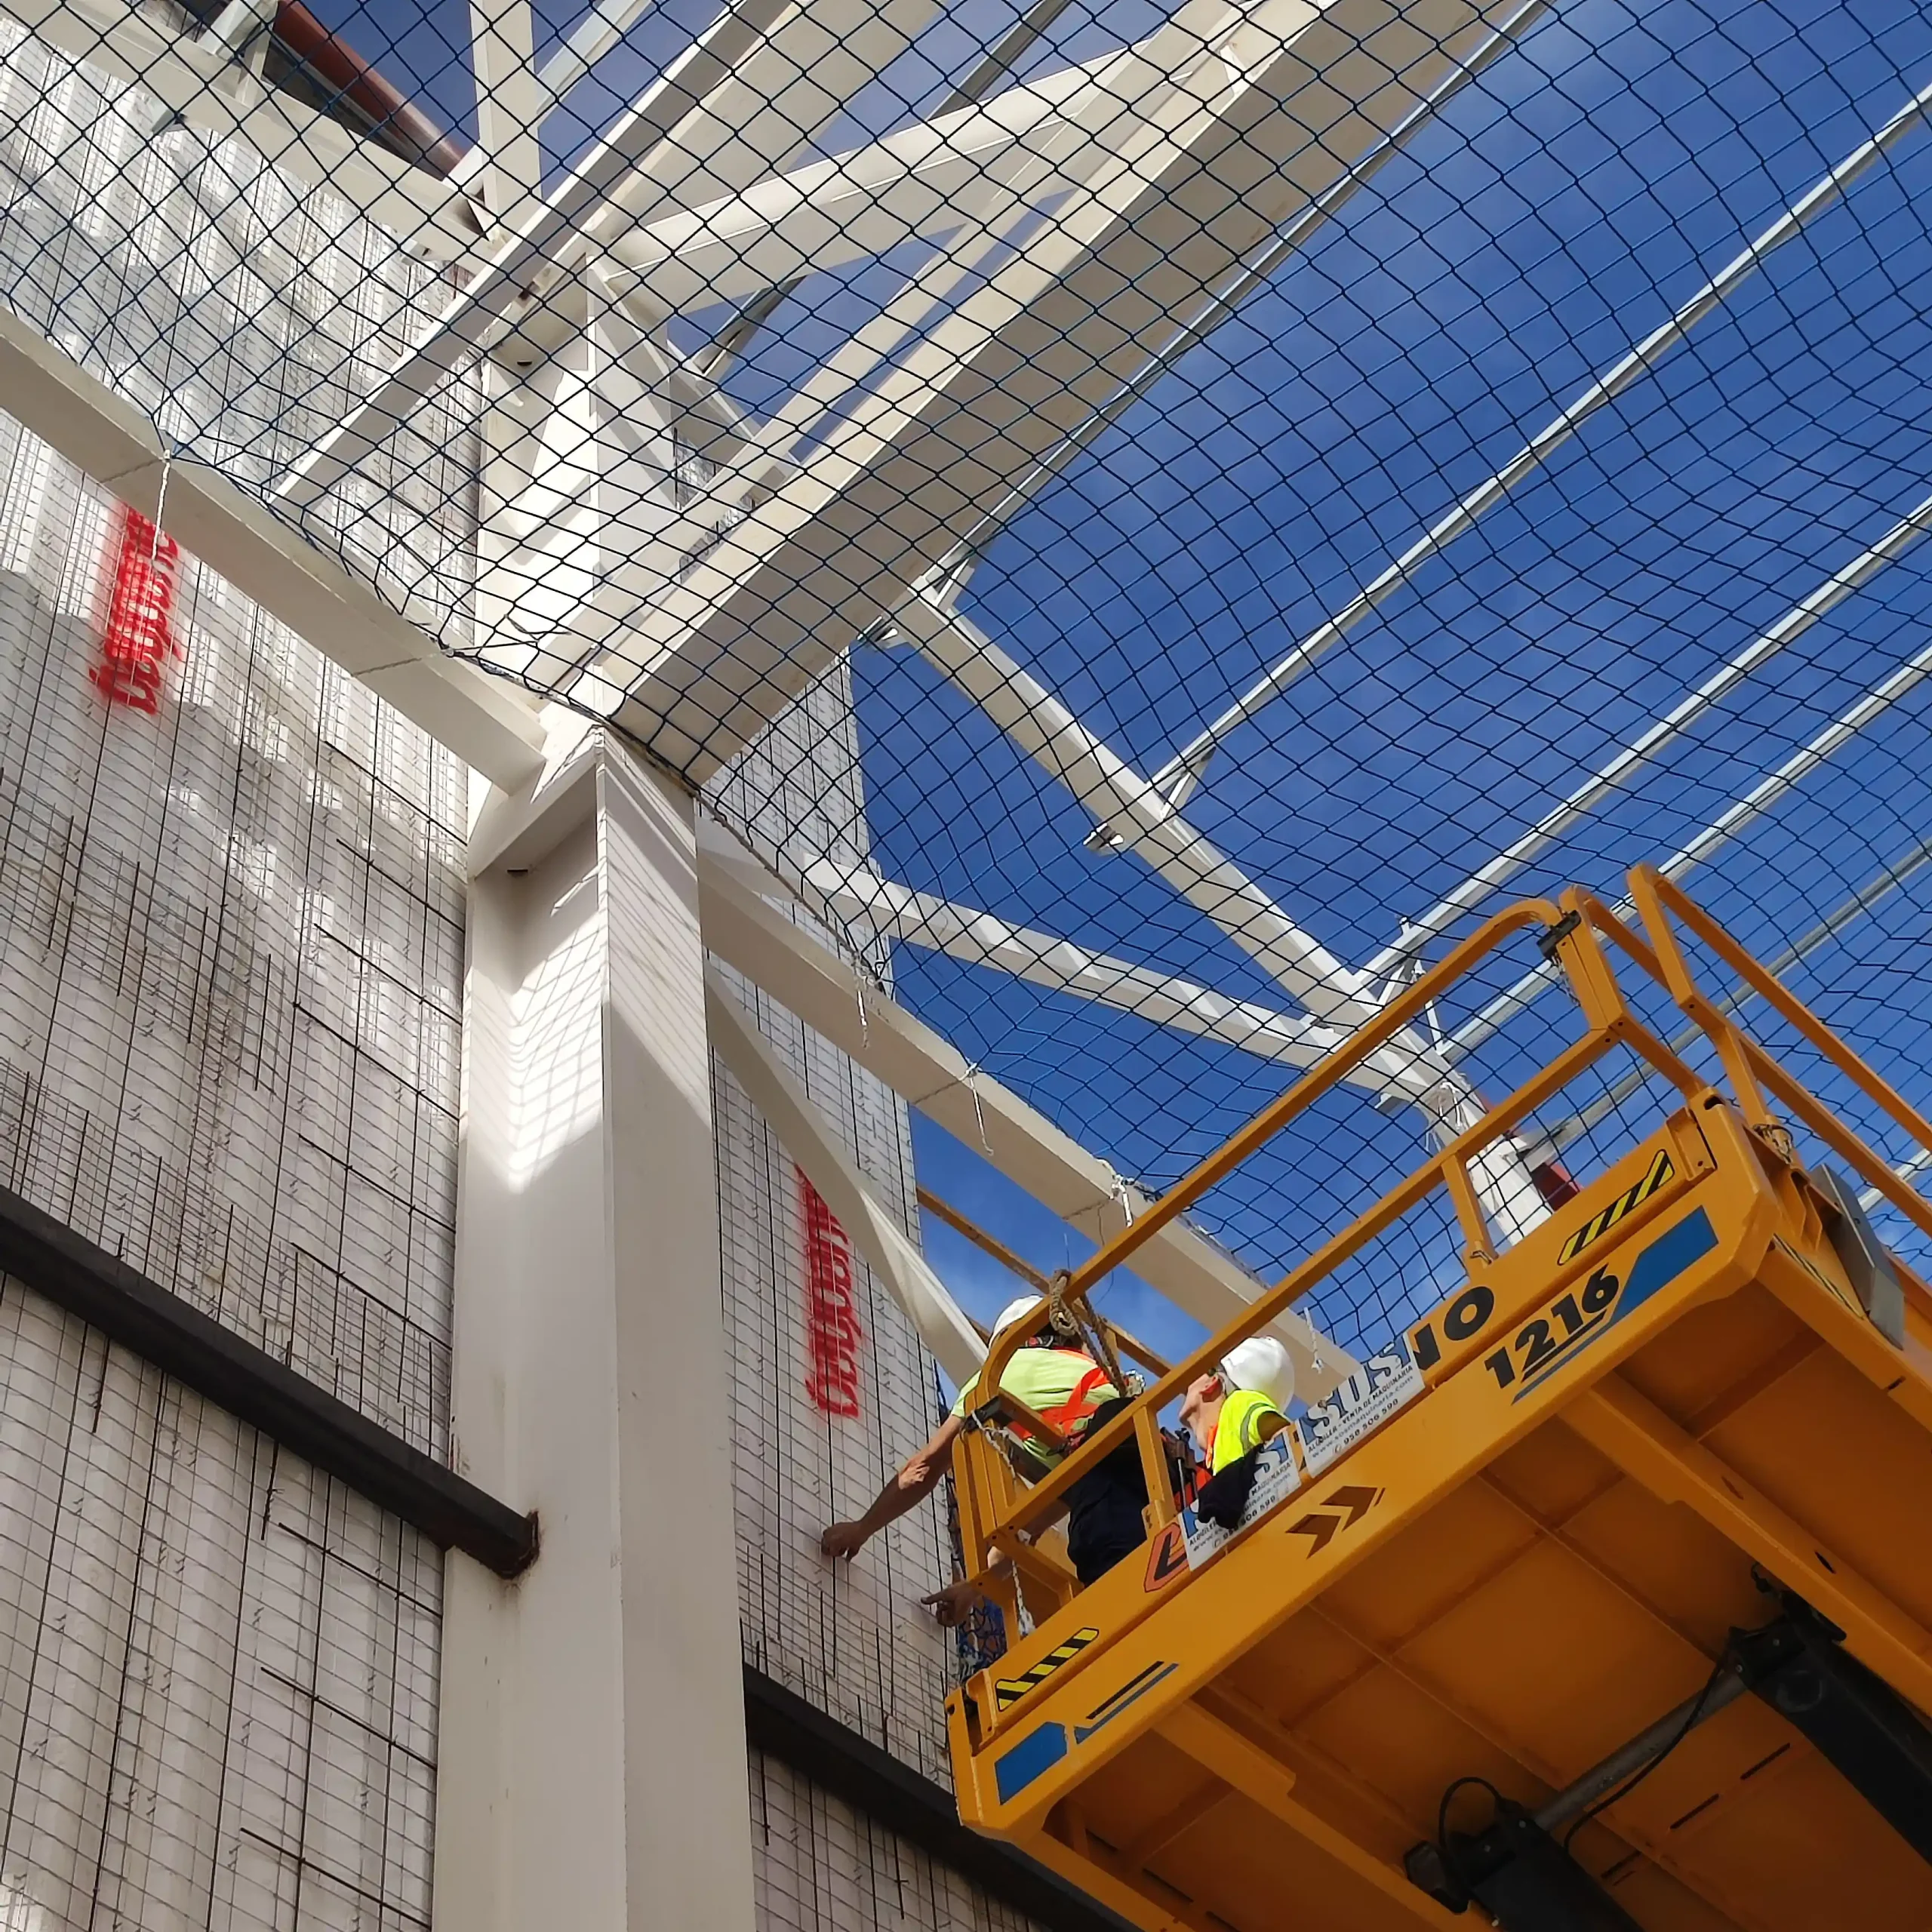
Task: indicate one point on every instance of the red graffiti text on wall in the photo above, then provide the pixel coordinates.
(831, 1318)
(140, 636)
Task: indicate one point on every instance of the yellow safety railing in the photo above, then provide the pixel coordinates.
(999, 1518)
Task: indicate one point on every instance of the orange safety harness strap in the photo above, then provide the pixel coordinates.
(1077, 1406)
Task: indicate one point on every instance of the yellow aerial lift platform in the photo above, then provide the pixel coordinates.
(1629, 1550)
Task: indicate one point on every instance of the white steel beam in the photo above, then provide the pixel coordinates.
(927, 180)
(1178, 777)
(512, 282)
(774, 952)
(482, 720)
(510, 105)
(799, 424)
(1620, 771)
(587, 43)
(892, 911)
(1760, 799)
(1143, 821)
(756, 85)
(1205, 139)
(807, 1136)
(1906, 1171)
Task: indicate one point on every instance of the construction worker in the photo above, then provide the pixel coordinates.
(1231, 1412)
(1240, 1403)
(1065, 1388)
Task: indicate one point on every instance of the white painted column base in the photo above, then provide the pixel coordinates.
(592, 1766)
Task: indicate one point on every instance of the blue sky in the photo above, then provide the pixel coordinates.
(1560, 208)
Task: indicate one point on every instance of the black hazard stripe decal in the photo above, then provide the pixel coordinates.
(1600, 1223)
(1010, 1690)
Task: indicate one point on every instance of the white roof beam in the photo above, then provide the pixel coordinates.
(1644, 751)
(754, 84)
(1199, 1277)
(789, 85)
(1204, 140)
(1160, 999)
(923, 181)
(807, 1136)
(1760, 799)
(1032, 195)
(512, 282)
(588, 42)
(1178, 777)
(1145, 823)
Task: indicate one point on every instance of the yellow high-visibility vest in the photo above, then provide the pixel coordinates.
(1062, 1386)
(1240, 1427)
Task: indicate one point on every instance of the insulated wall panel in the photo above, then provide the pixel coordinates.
(231, 958)
(230, 940)
(244, 314)
(851, 1637)
(826, 1867)
(217, 1669)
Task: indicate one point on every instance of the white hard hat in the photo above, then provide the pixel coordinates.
(1261, 1364)
(1014, 1310)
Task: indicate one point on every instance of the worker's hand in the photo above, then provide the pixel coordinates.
(844, 1540)
(954, 1603)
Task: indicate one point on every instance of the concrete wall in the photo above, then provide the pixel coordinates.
(231, 939)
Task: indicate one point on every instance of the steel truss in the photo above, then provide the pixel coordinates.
(1081, 228)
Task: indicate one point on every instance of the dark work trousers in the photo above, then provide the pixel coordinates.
(1103, 1519)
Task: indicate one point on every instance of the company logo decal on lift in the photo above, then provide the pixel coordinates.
(1044, 1747)
(1600, 1223)
(1010, 1690)
(1578, 1319)
(1167, 1559)
(1384, 1384)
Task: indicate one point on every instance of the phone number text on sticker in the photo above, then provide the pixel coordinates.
(1276, 1478)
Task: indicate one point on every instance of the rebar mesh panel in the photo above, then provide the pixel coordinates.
(217, 1669)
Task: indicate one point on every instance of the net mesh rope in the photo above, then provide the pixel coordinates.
(1271, 485)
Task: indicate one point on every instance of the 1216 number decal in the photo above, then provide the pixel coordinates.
(1548, 1338)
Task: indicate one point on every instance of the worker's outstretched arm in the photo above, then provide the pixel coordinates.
(906, 1491)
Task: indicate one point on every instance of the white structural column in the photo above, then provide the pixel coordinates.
(593, 1770)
